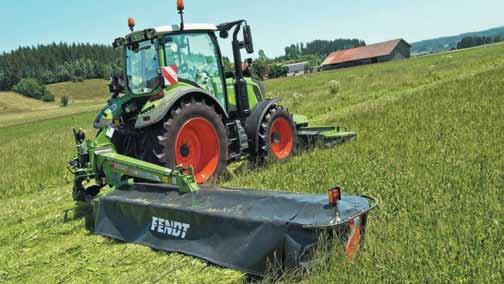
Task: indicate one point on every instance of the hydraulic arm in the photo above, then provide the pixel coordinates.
(97, 159)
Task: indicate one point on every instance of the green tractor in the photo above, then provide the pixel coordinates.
(175, 107)
(174, 122)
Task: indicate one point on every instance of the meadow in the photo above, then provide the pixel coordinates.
(88, 96)
(429, 150)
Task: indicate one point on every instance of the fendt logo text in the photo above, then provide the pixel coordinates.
(169, 228)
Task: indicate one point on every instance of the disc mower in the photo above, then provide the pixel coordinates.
(175, 120)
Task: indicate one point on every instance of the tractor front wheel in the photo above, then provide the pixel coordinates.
(195, 136)
(277, 136)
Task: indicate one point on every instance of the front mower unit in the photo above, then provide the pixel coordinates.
(246, 230)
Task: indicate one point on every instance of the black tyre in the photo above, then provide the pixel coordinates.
(277, 136)
(194, 135)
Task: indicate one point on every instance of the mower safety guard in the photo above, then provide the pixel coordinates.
(263, 228)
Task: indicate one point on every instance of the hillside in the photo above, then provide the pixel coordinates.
(429, 150)
(11, 102)
(94, 90)
(446, 43)
(85, 96)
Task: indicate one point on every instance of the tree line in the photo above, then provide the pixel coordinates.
(473, 41)
(321, 48)
(313, 52)
(56, 63)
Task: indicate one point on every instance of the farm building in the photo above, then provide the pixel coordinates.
(296, 68)
(375, 53)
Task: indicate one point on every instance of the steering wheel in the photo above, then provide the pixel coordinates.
(205, 80)
(184, 68)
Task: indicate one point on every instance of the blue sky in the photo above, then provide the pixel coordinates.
(275, 23)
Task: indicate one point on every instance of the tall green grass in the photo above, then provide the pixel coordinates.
(429, 150)
(434, 160)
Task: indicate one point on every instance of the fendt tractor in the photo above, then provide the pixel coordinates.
(174, 122)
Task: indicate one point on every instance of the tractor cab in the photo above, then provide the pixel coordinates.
(193, 54)
(167, 57)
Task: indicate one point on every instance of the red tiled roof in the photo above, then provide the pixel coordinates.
(363, 52)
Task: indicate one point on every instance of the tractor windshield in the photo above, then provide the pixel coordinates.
(142, 65)
(196, 58)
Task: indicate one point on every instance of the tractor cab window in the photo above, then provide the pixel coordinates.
(196, 59)
(142, 64)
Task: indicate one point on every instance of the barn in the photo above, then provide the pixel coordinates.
(374, 53)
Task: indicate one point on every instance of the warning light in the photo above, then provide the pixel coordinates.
(131, 23)
(180, 5)
(334, 196)
(354, 237)
(180, 8)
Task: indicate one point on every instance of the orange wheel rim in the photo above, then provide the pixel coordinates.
(197, 145)
(281, 138)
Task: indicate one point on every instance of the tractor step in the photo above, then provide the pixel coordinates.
(310, 137)
(244, 230)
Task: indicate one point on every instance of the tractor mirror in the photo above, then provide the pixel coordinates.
(247, 39)
(224, 34)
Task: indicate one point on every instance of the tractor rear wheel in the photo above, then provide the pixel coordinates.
(277, 136)
(195, 136)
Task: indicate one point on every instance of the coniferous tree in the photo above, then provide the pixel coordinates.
(58, 62)
(473, 41)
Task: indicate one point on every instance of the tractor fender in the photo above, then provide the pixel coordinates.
(157, 114)
(253, 123)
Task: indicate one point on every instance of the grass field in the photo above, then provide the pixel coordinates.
(87, 96)
(90, 91)
(429, 150)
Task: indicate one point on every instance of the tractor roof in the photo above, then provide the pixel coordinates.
(142, 35)
(187, 27)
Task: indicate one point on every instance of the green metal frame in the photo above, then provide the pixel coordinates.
(102, 163)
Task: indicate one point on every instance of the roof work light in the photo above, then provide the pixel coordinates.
(180, 8)
(131, 23)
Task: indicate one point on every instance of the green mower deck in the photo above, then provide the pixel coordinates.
(310, 137)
